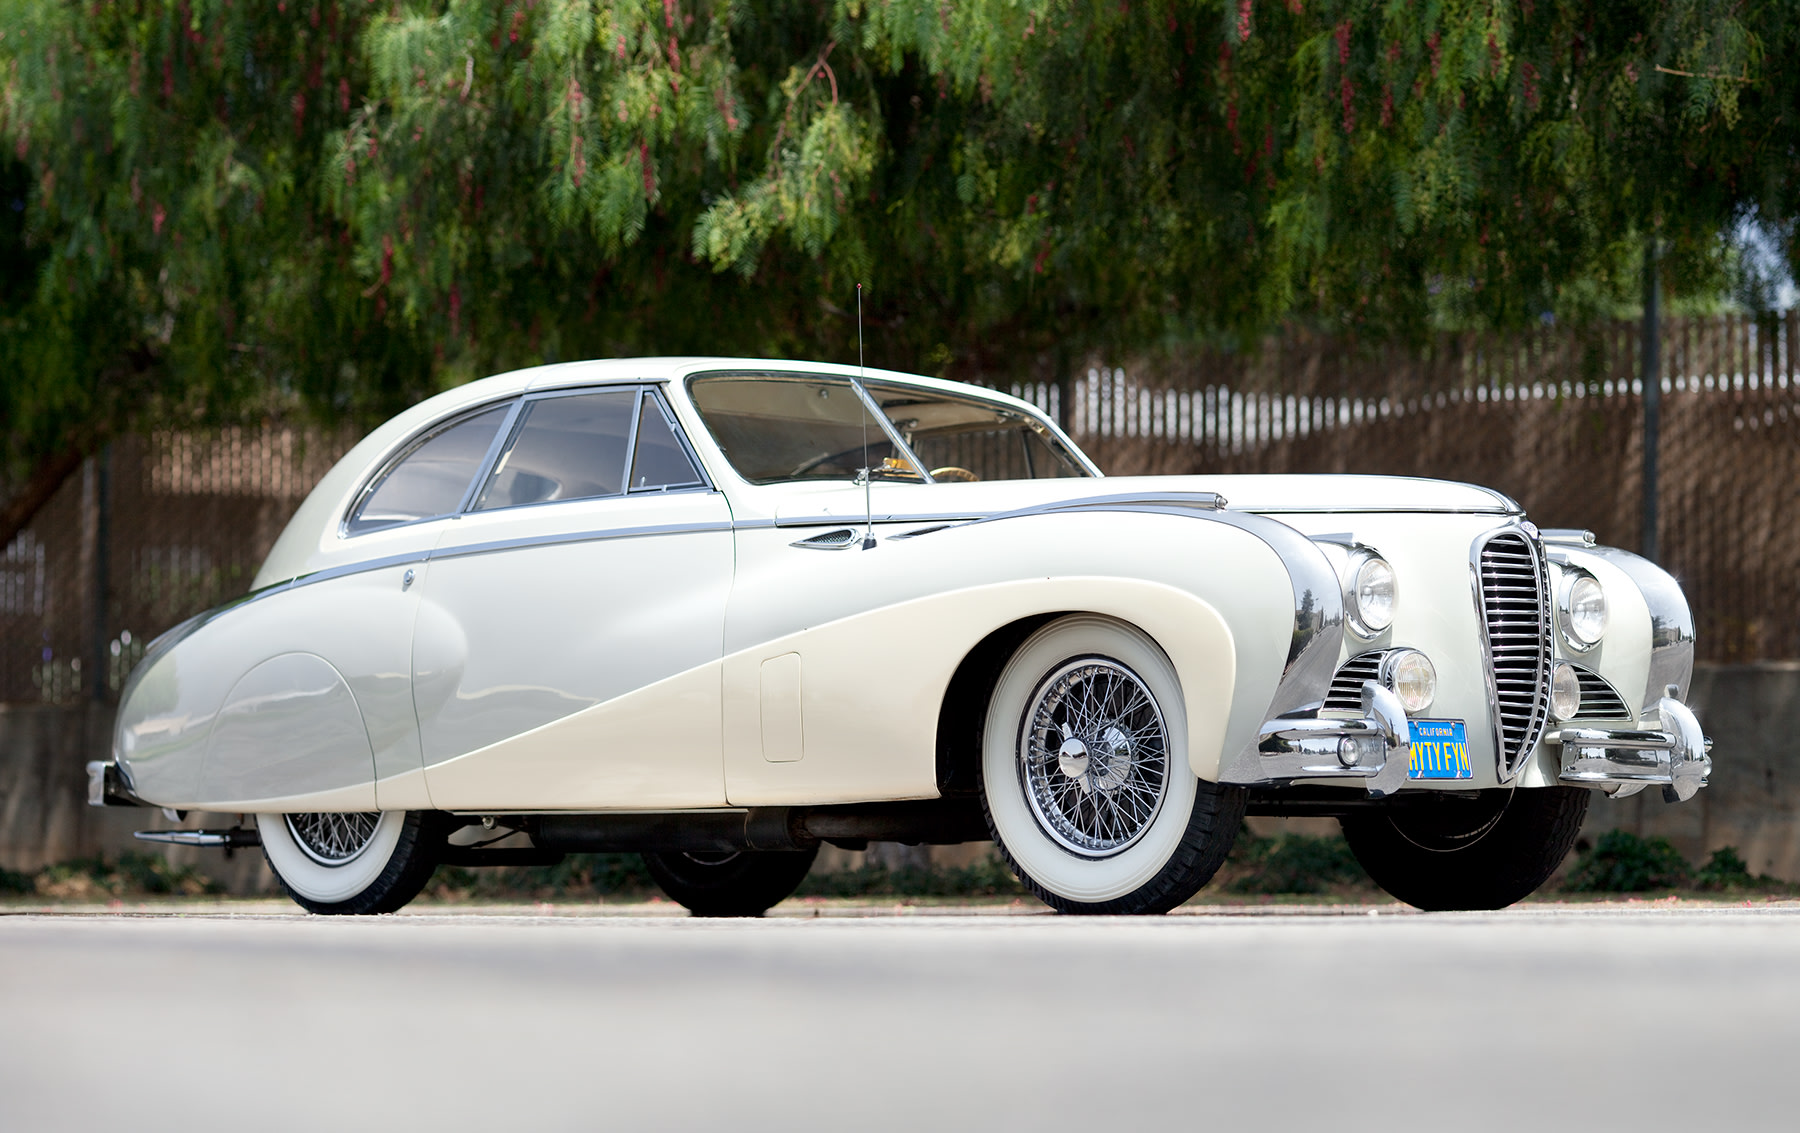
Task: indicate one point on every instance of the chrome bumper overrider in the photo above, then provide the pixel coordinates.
(1373, 750)
(1628, 760)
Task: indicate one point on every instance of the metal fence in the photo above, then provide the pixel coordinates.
(164, 526)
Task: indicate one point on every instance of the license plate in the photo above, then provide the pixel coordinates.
(1440, 750)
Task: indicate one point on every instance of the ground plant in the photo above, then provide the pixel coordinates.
(1622, 862)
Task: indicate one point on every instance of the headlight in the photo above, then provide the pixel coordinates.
(1584, 611)
(1372, 594)
(1412, 677)
(1565, 691)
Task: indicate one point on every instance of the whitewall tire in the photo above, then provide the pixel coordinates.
(1085, 777)
(351, 863)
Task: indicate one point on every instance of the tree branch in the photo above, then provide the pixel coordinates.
(37, 490)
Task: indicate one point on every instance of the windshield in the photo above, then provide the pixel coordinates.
(965, 438)
(776, 427)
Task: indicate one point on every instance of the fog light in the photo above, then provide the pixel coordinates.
(1565, 691)
(1412, 677)
(1349, 752)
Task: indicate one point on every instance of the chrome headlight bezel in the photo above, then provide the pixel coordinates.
(1366, 623)
(1419, 670)
(1572, 580)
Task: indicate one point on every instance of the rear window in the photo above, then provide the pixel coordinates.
(431, 478)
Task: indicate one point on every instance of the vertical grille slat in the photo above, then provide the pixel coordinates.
(1517, 618)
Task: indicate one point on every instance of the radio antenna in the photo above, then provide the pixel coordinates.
(868, 471)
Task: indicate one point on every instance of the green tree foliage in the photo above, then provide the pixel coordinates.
(216, 208)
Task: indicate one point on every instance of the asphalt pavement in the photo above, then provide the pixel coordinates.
(1542, 1017)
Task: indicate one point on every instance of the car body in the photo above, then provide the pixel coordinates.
(665, 603)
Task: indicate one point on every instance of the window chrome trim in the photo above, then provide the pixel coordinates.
(886, 425)
(656, 397)
(410, 445)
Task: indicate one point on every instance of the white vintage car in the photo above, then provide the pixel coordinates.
(721, 611)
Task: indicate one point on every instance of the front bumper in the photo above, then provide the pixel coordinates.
(1625, 761)
(1373, 750)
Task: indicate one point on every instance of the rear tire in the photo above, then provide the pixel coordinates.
(356, 864)
(744, 884)
(1085, 781)
(1462, 854)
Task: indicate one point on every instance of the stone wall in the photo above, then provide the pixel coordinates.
(1752, 713)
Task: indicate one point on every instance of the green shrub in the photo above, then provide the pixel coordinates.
(128, 875)
(14, 882)
(1291, 863)
(1726, 869)
(1622, 862)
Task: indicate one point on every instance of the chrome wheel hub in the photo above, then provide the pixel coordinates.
(333, 839)
(1094, 757)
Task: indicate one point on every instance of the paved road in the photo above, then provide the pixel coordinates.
(1530, 1019)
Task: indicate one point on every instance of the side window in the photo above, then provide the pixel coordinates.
(659, 461)
(431, 478)
(565, 448)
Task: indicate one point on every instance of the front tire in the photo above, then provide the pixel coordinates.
(1085, 779)
(1486, 853)
(356, 864)
(747, 883)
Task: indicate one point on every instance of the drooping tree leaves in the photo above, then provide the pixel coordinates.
(336, 207)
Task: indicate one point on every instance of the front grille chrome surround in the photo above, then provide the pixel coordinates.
(1512, 598)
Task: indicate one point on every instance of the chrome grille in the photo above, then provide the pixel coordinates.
(1517, 619)
(1598, 698)
(1345, 693)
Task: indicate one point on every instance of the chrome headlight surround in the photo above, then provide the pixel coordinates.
(1367, 579)
(1410, 675)
(1581, 612)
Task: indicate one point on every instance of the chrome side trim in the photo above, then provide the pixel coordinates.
(1495, 510)
(840, 520)
(580, 537)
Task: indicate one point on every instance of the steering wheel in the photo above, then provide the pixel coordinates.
(952, 473)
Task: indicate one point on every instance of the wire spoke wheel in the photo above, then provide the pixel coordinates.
(1094, 759)
(333, 839)
(358, 863)
(1087, 781)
